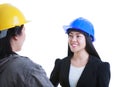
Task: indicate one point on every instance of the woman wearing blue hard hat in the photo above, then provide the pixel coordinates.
(83, 66)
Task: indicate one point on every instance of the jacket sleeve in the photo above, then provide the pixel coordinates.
(103, 75)
(38, 78)
(54, 77)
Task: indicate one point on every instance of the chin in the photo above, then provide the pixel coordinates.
(73, 50)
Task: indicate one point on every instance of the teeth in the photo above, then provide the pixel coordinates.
(74, 45)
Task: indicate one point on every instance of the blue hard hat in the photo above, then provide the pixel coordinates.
(81, 24)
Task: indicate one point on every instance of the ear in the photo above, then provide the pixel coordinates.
(15, 37)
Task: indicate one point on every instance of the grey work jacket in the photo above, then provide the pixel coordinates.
(19, 71)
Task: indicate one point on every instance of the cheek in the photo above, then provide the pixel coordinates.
(24, 36)
(69, 42)
(82, 41)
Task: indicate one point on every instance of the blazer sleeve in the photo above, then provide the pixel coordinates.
(103, 75)
(54, 77)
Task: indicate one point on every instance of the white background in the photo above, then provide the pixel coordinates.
(46, 39)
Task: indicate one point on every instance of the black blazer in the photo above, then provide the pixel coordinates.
(96, 73)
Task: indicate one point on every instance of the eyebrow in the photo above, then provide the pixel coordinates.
(75, 33)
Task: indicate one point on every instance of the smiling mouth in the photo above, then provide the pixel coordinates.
(74, 45)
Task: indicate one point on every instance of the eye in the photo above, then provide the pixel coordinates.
(78, 36)
(70, 36)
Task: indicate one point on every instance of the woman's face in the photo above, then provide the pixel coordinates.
(76, 41)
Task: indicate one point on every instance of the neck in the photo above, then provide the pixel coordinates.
(80, 59)
(82, 55)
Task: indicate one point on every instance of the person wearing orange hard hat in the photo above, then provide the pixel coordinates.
(17, 70)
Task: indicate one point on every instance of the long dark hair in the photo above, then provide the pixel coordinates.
(89, 45)
(5, 46)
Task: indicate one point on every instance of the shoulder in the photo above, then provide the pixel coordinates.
(63, 60)
(98, 63)
(22, 63)
(102, 65)
(98, 60)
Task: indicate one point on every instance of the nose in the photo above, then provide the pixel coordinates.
(74, 38)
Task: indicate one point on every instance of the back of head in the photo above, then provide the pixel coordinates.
(11, 23)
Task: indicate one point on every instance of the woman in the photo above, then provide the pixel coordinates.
(16, 70)
(83, 66)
